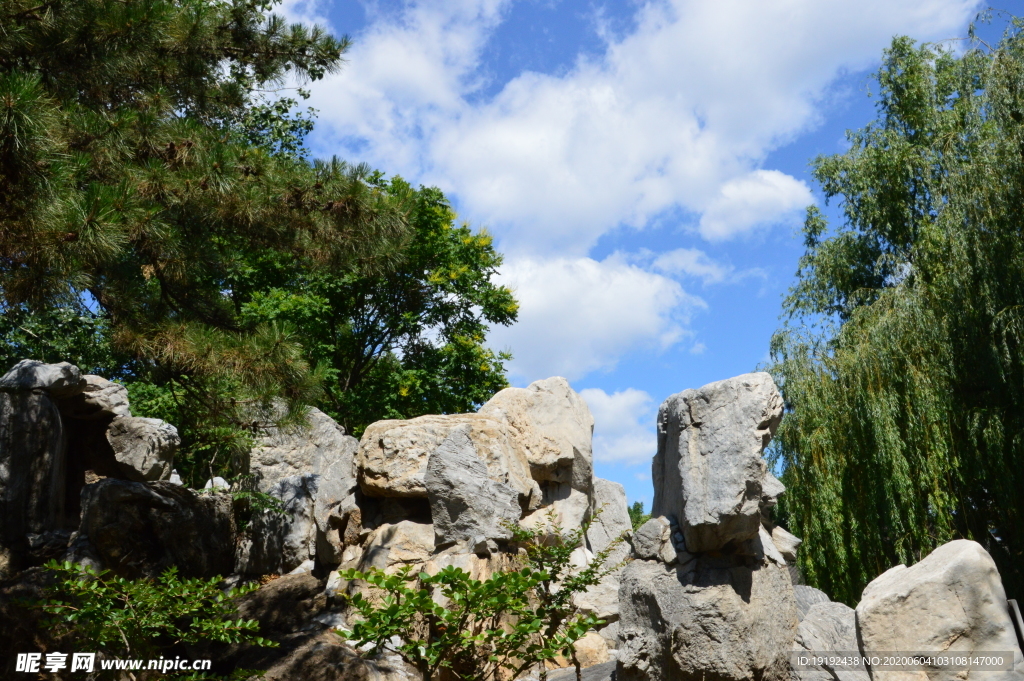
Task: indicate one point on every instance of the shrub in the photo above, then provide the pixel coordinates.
(517, 618)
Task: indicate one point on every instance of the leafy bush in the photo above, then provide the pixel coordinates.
(139, 618)
(473, 629)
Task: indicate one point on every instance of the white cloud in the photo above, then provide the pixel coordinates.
(758, 198)
(692, 262)
(623, 426)
(578, 315)
(678, 114)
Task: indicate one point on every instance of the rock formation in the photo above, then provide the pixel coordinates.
(709, 595)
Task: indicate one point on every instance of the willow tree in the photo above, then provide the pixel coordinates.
(902, 358)
(139, 162)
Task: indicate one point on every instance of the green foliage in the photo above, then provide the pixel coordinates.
(637, 516)
(474, 629)
(902, 364)
(125, 618)
(401, 343)
(139, 161)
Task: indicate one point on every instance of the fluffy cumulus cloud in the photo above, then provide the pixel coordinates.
(677, 113)
(578, 315)
(675, 116)
(623, 425)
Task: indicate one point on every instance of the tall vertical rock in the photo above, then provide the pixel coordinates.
(710, 596)
(32, 472)
(708, 472)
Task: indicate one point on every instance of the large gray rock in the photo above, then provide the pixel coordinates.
(140, 529)
(715, 619)
(953, 600)
(393, 455)
(708, 472)
(465, 504)
(322, 449)
(278, 542)
(59, 380)
(555, 427)
(829, 627)
(393, 546)
(562, 507)
(99, 399)
(33, 450)
(144, 448)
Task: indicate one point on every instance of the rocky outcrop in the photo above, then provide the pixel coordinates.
(710, 595)
(709, 618)
(708, 472)
(140, 529)
(554, 426)
(806, 597)
(99, 399)
(953, 601)
(32, 473)
(394, 546)
(465, 504)
(393, 455)
(57, 380)
(144, 448)
(611, 528)
(278, 541)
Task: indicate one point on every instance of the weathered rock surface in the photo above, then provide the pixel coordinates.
(59, 380)
(32, 472)
(394, 546)
(393, 455)
(99, 399)
(829, 627)
(708, 472)
(654, 540)
(786, 543)
(465, 504)
(140, 529)
(144, 448)
(806, 597)
(554, 425)
(562, 505)
(277, 543)
(320, 449)
(610, 525)
(712, 618)
(953, 600)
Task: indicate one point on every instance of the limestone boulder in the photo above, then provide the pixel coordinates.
(465, 504)
(143, 448)
(393, 546)
(554, 425)
(562, 508)
(278, 542)
(320, 448)
(709, 473)
(829, 627)
(393, 455)
(99, 399)
(140, 529)
(33, 446)
(953, 601)
(713, 618)
(660, 539)
(58, 380)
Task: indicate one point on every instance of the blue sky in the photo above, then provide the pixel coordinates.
(643, 166)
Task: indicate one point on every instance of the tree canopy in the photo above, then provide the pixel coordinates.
(902, 360)
(160, 223)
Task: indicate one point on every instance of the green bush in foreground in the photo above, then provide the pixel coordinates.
(142, 618)
(474, 629)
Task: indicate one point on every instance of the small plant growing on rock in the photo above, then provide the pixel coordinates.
(495, 628)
